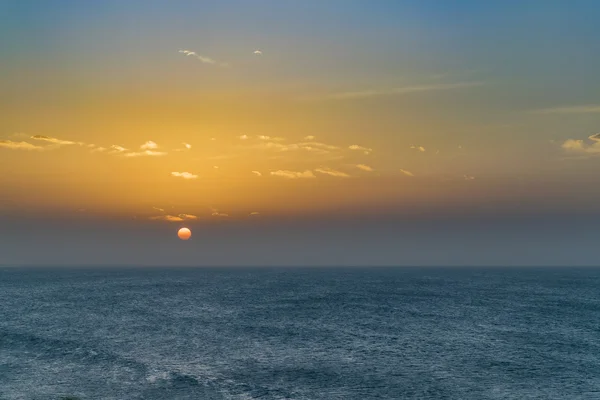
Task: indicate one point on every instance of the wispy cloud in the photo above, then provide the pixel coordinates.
(332, 172)
(580, 109)
(407, 173)
(169, 218)
(365, 167)
(469, 177)
(9, 144)
(401, 90)
(184, 175)
(582, 148)
(158, 209)
(254, 213)
(275, 139)
(187, 145)
(309, 137)
(258, 52)
(145, 153)
(293, 174)
(419, 148)
(52, 140)
(149, 145)
(217, 213)
(257, 173)
(117, 149)
(356, 147)
(203, 59)
(314, 147)
(187, 216)
(243, 137)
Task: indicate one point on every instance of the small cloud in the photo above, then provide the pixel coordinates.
(257, 173)
(309, 137)
(293, 174)
(216, 213)
(257, 52)
(365, 167)
(187, 217)
(579, 146)
(419, 148)
(8, 144)
(215, 166)
(254, 213)
(149, 145)
(332, 172)
(469, 177)
(146, 153)
(595, 137)
(187, 145)
(52, 140)
(117, 149)
(169, 218)
(99, 150)
(203, 59)
(407, 173)
(184, 175)
(356, 147)
(243, 137)
(158, 209)
(213, 139)
(276, 139)
(581, 109)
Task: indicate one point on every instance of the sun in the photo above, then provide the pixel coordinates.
(184, 234)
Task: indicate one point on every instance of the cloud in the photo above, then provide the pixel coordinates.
(365, 167)
(243, 137)
(158, 209)
(580, 147)
(469, 177)
(170, 218)
(99, 150)
(203, 59)
(184, 175)
(149, 145)
(420, 148)
(293, 174)
(581, 109)
(407, 173)
(356, 147)
(309, 137)
(146, 153)
(402, 90)
(254, 213)
(8, 144)
(187, 216)
(257, 52)
(187, 145)
(257, 173)
(216, 213)
(332, 172)
(276, 139)
(314, 147)
(117, 149)
(52, 140)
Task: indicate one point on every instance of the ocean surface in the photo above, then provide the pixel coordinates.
(300, 333)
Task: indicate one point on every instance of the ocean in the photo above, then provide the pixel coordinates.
(299, 333)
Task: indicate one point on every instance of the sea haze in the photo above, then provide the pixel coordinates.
(299, 333)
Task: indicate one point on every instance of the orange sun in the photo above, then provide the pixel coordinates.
(184, 234)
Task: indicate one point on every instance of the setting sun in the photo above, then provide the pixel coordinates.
(184, 234)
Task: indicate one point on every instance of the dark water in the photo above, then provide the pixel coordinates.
(300, 333)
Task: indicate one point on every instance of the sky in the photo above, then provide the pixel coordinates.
(308, 132)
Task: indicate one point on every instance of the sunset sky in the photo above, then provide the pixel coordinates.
(335, 132)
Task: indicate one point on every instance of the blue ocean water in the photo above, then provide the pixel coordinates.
(300, 333)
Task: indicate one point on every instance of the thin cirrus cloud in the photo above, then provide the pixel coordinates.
(356, 147)
(314, 147)
(580, 147)
(217, 213)
(184, 175)
(203, 59)
(401, 90)
(419, 148)
(332, 172)
(148, 150)
(406, 172)
(581, 109)
(365, 168)
(52, 140)
(257, 173)
(9, 144)
(276, 139)
(174, 218)
(293, 174)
